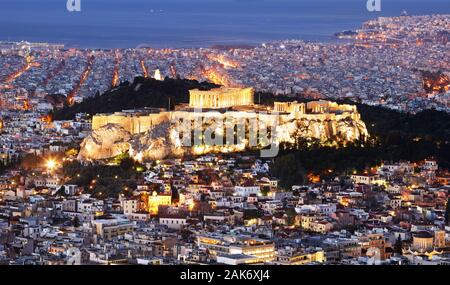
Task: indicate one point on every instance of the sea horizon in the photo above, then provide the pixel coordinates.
(104, 24)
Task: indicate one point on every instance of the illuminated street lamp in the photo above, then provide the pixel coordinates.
(51, 164)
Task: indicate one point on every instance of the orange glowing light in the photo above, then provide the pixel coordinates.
(224, 61)
(313, 178)
(191, 206)
(217, 76)
(51, 164)
(47, 119)
(28, 64)
(115, 78)
(144, 69)
(26, 105)
(84, 76)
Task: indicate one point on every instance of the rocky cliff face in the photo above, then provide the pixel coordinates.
(109, 141)
(157, 143)
(163, 140)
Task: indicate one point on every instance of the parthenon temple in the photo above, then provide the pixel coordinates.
(221, 98)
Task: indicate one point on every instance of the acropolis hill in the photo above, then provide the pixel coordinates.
(150, 133)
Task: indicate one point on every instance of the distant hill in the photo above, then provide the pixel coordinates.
(394, 135)
(143, 92)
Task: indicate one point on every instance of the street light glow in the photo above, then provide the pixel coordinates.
(50, 164)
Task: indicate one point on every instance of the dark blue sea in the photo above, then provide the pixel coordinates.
(192, 23)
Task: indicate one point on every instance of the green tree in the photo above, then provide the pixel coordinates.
(447, 212)
(398, 246)
(290, 212)
(175, 195)
(265, 190)
(289, 170)
(76, 222)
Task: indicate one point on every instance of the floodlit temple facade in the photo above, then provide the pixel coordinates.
(313, 107)
(289, 107)
(221, 98)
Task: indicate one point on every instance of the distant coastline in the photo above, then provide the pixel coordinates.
(332, 38)
(184, 25)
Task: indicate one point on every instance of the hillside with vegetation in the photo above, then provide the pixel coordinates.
(142, 92)
(394, 135)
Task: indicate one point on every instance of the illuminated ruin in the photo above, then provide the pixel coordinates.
(151, 134)
(220, 98)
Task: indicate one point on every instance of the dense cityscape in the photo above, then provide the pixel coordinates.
(382, 64)
(63, 203)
